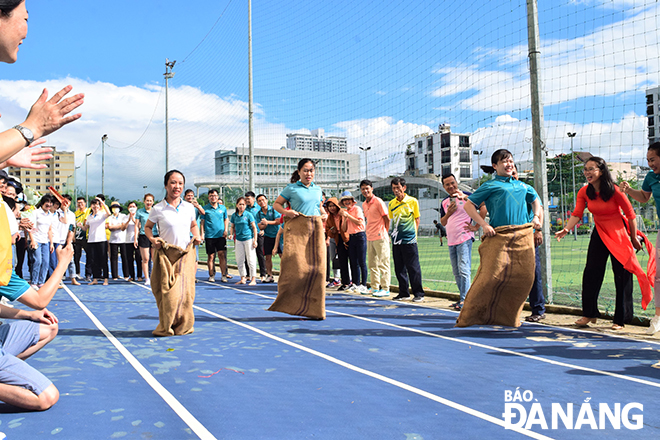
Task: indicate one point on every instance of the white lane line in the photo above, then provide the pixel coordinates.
(412, 389)
(178, 408)
(477, 344)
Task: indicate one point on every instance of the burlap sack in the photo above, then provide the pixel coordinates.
(173, 286)
(504, 278)
(301, 286)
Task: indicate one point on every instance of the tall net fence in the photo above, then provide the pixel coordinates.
(383, 73)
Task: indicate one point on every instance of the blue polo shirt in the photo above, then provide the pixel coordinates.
(142, 215)
(651, 185)
(253, 210)
(242, 226)
(214, 221)
(506, 199)
(270, 215)
(304, 199)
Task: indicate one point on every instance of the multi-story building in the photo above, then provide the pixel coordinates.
(317, 141)
(440, 153)
(273, 169)
(58, 174)
(653, 113)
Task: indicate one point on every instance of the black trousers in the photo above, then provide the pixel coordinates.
(592, 280)
(98, 254)
(406, 266)
(21, 247)
(342, 255)
(131, 252)
(115, 250)
(78, 247)
(260, 257)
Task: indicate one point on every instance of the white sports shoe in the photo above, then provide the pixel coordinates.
(352, 288)
(381, 293)
(655, 325)
(212, 279)
(363, 290)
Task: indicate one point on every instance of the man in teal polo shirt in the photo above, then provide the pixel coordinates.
(214, 227)
(268, 221)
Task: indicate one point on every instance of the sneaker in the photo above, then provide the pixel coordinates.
(342, 288)
(363, 290)
(224, 279)
(212, 279)
(381, 293)
(270, 279)
(336, 283)
(655, 325)
(418, 299)
(401, 298)
(352, 288)
(330, 284)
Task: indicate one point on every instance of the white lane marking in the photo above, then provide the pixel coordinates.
(412, 389)
(477, 344)
(176, 406)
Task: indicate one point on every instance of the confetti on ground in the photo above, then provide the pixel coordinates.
(229, 369)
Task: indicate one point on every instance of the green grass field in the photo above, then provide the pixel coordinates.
(568, 260)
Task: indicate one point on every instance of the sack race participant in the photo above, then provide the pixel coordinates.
(301, 285)
(175, 261)
(173, 286)
(506, 269)
(504, 278)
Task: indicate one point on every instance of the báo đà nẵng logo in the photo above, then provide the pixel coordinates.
(523, 411)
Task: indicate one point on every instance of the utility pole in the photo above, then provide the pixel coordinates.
(250, 112)
(572, 135)
(104, 138)
(169, 65)
(538, 140)
(366, 161)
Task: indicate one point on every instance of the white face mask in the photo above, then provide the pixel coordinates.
(115, 211)
(132, 210)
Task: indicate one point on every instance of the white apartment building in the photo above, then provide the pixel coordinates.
(317, 141)
(440, 153)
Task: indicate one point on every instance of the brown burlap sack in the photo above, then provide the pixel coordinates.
(173, 286)
(301, 286)
(504, 278)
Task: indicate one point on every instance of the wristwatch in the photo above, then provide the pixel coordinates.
(26, 133)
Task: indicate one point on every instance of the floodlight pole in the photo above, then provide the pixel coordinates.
(169, 65)
(86, 187)
(366, 161)
(538, 140)
(104, 138)
(572, 135)
(250, 111)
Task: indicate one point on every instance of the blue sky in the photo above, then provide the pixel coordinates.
(376, 72)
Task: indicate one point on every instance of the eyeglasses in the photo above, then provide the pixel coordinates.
(590, 170)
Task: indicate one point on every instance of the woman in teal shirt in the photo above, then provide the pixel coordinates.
(244, 231)
(301, 286)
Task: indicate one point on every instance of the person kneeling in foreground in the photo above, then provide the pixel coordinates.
(20, 384)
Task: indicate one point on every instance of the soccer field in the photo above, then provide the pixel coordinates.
(568, 260)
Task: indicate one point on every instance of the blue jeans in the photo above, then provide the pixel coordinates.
(461, 265)
(41, 263)
(357, 251)
(53, 259)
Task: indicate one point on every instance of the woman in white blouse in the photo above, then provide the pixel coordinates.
(97, 242)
